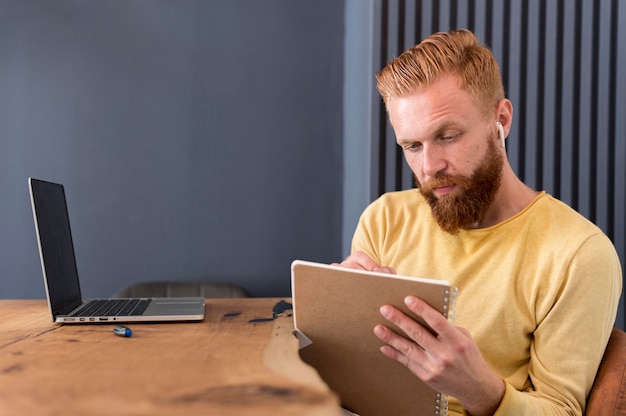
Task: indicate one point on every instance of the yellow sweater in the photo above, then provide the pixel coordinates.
(538, 292)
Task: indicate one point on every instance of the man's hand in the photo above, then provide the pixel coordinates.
(360, 260)
(449, 361)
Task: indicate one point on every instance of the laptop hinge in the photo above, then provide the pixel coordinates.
(66, 308)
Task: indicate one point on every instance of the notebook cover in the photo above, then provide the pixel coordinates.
(336, 310)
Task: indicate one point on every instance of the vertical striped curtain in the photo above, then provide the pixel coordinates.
(563, 63)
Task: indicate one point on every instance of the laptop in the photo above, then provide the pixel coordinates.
(335, 310)
(60, 274)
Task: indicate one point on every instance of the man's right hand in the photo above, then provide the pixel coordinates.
(360, 260)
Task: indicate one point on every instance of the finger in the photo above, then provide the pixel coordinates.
(405, 352)
(413, 330)
(347, 263)
(397, 348)
(431, 316)
(385, 269)
(360, 260)
(398, 342)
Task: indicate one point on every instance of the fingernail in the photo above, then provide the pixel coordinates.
(409, 301)
(379, 330)
(385, 310)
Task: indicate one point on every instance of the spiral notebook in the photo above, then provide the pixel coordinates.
(335, 310)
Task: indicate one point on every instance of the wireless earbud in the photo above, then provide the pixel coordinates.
(501, 133)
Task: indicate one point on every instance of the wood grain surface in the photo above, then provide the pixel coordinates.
(241, 360)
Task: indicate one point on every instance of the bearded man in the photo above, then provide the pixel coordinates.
(538, 283)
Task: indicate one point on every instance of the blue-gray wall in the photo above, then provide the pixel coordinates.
(196, 139)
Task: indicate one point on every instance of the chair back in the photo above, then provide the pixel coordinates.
(608, 393)
(207, 289)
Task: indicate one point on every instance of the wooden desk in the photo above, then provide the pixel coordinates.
(239, 361)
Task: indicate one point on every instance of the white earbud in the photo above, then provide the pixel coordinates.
(501, 133)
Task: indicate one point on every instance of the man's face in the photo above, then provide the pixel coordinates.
(451, 149)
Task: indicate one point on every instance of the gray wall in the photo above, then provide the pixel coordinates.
(360, 100)
(196, 139)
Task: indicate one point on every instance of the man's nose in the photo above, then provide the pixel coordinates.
(433, 160)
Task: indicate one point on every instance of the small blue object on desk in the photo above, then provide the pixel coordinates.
(122, 331)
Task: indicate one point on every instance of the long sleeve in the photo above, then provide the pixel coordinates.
(538, 292)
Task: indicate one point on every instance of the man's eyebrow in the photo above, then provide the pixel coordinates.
(438, 131)
(447, 125)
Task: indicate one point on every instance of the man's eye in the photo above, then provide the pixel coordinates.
(450, 138)
(412, 147)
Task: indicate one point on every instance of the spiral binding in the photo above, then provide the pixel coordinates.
(449, 300)
(449, 308)
(441, 404)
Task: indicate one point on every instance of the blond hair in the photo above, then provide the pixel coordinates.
(459, 53)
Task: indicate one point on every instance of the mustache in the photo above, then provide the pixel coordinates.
(440, 180)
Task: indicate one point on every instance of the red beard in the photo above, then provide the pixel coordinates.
(469, 202)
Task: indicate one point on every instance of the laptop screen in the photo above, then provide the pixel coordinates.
(55, 245)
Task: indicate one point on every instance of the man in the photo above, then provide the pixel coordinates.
(538, 283)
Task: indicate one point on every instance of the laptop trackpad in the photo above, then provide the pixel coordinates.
(167, 306)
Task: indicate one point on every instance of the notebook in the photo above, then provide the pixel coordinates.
(60, 273)
(335, 310)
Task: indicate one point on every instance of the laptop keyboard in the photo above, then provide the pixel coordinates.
(114, 307)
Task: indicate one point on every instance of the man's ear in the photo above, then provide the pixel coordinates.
(504, 115)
